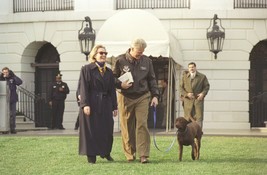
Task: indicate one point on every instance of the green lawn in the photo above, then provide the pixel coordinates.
(38, 155)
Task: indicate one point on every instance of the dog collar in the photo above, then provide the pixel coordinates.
(182, 131)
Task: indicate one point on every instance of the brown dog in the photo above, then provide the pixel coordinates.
(189, 133)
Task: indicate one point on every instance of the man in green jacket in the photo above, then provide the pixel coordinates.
(194, 86)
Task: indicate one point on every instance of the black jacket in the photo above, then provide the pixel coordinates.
(13, 81)
(142, 72)
(55, 94)
(98, 92)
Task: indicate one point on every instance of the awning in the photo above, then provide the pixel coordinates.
(120, 29)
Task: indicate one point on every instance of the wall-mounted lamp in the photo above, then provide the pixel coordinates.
(215, 36)
(86, 37)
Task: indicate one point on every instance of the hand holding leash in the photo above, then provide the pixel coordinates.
(154, 102)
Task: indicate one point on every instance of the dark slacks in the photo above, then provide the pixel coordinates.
(77, 122)
(58, 107)
(12, 116)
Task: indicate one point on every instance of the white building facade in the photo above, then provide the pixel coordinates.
(23, 35)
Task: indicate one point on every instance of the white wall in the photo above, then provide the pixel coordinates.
(5, 7)
(211, 4)
(86, 5)
(227, 102)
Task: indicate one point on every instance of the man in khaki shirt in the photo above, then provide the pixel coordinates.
(194, 87)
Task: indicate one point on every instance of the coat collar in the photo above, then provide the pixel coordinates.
(97, 74)
(131, 59)
(188, 74)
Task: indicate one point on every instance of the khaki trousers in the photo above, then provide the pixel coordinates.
(195, 109)
(133, 121)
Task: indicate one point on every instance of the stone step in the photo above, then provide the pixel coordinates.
(23, 123)
(259, 129)
(226, 125)
(22, 118)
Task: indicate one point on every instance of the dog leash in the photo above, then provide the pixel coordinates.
(154, 133)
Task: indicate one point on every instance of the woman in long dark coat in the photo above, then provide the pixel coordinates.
(98, 104)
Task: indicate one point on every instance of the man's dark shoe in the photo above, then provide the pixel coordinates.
(131, 160)
(143, 159)
(61, 128)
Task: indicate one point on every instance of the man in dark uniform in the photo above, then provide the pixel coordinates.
(57, 95)
(12, 81)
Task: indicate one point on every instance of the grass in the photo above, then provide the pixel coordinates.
(59, 155)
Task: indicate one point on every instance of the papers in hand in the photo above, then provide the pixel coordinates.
(127, 76)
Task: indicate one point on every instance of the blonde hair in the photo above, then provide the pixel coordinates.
(94, 52)
(138, 43)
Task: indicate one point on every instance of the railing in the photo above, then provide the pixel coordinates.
(250, 4)
(151, 4)
(42, 5)
(31, 106)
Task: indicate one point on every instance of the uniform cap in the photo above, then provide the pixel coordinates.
(59, 75)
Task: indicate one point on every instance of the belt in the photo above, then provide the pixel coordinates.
(102, 94)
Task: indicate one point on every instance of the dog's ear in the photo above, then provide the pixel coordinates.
(181, 124)
(178, 122)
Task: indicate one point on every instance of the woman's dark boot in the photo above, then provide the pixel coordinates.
(91, 159)
(108, 157)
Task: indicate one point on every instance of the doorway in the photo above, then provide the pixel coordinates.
(161, 69)
(258, 84)
(47, 67)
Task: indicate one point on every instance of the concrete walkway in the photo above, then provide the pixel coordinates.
(254, 132)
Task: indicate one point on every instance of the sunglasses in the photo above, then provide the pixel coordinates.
(102, 53)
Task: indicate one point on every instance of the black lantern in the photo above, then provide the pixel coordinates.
(215, 36)
(86, 37)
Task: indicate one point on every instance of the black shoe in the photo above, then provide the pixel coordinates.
(91, 159)
(51, 127)
(13, 132)
(109, 158)
(61, 128)
(143, 159)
